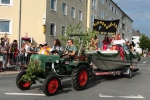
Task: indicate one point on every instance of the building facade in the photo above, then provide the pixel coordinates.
(33, 18)
(108, 10)
(9, 18)
(61, 13)
(135, 38)
(23, 18)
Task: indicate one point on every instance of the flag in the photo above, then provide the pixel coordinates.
(106, 27)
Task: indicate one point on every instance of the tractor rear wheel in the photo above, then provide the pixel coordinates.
(51, 85)
(21, 84)
(80, 77)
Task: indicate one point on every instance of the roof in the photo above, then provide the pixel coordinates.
(136, 33)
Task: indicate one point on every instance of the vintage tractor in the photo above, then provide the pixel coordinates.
(49, 70)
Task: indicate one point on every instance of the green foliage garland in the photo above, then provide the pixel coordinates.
(85, 36)
(134, 56)
(32, 72)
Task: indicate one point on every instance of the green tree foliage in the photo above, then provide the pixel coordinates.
(32, 72)
(77, 30)
(144, 42)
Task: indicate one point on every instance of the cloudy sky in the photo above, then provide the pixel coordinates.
(139, 12)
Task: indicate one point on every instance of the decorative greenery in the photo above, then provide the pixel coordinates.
(127, 56)
(133, 55)
(32, 72)
(144, 42)
(79, 36)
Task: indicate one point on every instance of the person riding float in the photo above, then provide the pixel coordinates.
(70, 51)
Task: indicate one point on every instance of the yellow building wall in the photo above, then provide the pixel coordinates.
(12, 13)
(32, 12)
(32, 19)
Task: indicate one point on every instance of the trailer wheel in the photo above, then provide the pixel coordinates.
(51, 85)
(21, 84)
(129, 75)
(80, 77)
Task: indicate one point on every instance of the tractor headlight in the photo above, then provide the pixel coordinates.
(57, 61)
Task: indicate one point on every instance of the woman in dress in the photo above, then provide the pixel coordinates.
(94, 43)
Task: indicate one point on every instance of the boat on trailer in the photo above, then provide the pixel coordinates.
(110, 62)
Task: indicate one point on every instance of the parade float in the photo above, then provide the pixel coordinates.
(49, 70)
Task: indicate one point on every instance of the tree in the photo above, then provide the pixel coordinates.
(77, 30)
(144, 42)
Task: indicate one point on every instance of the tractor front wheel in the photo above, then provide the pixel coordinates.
(51, 85)
(22, 85)
(80, 77)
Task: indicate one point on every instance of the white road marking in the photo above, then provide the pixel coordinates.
(132, 96)
(33, 94)
(144, 62)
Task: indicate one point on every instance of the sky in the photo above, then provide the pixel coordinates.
(139, 12)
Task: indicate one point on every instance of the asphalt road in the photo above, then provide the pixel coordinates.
(105, 88)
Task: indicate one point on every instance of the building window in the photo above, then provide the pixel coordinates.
(5, 26)
(80, 15)
(92, 20)
(64, 8)
(63, 28)
(102, 1)
(73, 12)
(101, 14)
(112, 8)
(94, 4)
(116, 12)
(6, 2)
(122, 35)
(109, 6)
(123, 26)
(52, 29)
(120, 25)
(109, 18)
(53, 5)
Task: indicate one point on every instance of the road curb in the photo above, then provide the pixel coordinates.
(9, 72)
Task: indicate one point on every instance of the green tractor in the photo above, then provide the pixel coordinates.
(49, 70)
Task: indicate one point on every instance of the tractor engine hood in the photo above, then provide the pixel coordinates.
(45, 58)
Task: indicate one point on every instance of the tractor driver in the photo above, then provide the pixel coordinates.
(70, 50)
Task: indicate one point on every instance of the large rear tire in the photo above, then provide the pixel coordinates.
(51, 85)
(80, 77)
(21, 84)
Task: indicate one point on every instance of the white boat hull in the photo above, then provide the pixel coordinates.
(110, 63)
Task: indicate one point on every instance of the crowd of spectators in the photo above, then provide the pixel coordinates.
(11, 55)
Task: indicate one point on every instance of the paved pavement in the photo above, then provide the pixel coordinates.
(9, 72)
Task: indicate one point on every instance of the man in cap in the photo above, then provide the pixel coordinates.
(45, 49)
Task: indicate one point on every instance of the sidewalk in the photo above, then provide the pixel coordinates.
(9, 72)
